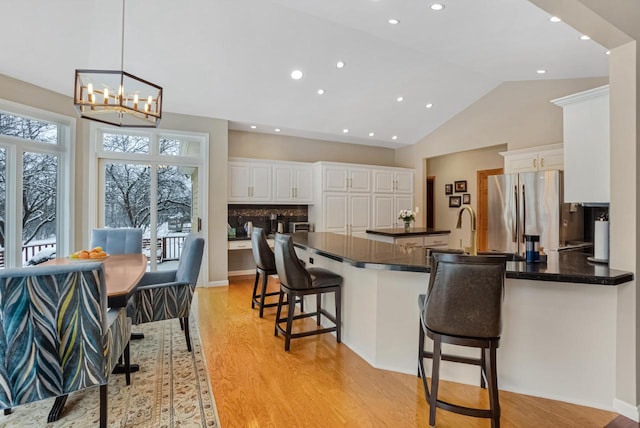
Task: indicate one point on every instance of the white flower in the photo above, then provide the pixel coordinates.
(406, 215)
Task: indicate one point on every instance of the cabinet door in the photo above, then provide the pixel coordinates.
(551, 160)
(260, 182)
(436, 240)
(404, 182)
(383, 181)
(525, 162)
(334, 179)
(384, 214)
(359, 212)
(335, 208)
(303, 184)
(282, 183)
(239, 177)
(402, 203)
(359, 180)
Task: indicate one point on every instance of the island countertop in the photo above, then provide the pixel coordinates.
(366, 253)
(413, 231)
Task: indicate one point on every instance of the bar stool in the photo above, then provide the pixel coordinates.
(296, 281)
(265, 265)
(463, 307)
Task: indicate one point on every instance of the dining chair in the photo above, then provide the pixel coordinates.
(57, 335)
(167, 294)
(123, 240)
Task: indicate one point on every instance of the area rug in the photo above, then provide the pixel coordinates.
(171, 389)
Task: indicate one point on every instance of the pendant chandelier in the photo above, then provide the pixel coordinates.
(116, 97)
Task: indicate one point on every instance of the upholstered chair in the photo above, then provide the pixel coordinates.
(265, 266)
(167, 294)
(296, 282)
(464, 307)
(57, 335)
(117, 240)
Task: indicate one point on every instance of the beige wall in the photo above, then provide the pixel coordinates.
(282, 147)
(455, 167)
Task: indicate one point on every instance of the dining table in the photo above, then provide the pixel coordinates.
(122, 272)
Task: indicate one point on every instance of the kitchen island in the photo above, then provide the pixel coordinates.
(416, 236)
(559, 319)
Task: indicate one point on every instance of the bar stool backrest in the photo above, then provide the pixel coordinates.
(262, 253)
(291, 271)
(465, 296)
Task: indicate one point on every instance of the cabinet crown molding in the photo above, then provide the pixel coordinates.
(582, 96)
(535, 149)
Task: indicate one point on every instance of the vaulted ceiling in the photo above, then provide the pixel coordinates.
(232, 59)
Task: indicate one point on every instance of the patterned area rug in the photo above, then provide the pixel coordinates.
(171, 389)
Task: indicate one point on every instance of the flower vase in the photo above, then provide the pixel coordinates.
(407, 226)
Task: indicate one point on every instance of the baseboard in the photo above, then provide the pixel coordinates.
(217, 283)
(241, 272)
(628, 410)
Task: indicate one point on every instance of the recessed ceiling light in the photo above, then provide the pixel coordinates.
(585, 37)
(393, 21)
(253, 127)
(429, 105)
(296, 74)
(345, 131)
(555, 19)
(437, 6)
(608, 52)
(277, 129)
(400, 99)
(340, 64)
(320, 91)
(395, 137)
(541, 71)
(371, 134)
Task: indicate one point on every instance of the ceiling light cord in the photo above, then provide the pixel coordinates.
(122, 39)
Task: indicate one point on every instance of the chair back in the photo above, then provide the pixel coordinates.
(290, 269)
(53, 321)
(117, 240)
(465, 298)
(190, 259)
(262, 253)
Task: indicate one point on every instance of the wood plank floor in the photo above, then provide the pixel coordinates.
(320, 383)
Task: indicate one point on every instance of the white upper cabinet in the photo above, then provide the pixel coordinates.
(292, 183)
(249, 182)
(339, 178)
(586, 146)
(543, 158)
(392, 181)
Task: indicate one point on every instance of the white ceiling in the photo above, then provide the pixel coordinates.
(231, 59)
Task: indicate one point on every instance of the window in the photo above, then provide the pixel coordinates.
(36, 150)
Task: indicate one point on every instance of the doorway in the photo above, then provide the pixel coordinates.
(430, 210)
(483, 208)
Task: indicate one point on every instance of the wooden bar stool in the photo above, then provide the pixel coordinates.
(297, 282)
(463, 307)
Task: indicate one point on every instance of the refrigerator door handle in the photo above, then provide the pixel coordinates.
(514, 232)
(524, 213)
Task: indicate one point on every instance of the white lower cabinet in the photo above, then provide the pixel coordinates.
(386, 209)
(346, 212)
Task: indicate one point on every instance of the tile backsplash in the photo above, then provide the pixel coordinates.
(265, 216)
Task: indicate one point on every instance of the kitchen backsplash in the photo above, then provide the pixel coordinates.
(265, 216)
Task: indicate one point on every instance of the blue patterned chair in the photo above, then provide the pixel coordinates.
(57, 335)
(167, 294)
(117, 240)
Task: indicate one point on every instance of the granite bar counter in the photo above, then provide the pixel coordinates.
(559, 321)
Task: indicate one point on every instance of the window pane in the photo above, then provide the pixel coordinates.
(3, 202)
(125, 143)
(30, 129)
(127, 195)
(175, 208)
(39, 202)
(175, 147)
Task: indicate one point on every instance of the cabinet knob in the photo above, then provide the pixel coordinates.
(541, 162)
(534, 163)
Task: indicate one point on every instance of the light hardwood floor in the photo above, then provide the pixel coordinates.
(320, 383)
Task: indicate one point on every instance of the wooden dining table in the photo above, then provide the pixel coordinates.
(122, 272)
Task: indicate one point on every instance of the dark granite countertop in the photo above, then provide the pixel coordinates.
(414, 231)
(366, 253)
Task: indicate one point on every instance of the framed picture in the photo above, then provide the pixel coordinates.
(461, 186)
(454, 201)
(466, 198)
(448, 189)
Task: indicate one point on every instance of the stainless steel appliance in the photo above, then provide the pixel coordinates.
(300, 226)
(531, 203)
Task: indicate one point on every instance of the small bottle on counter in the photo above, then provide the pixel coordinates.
(532, 248)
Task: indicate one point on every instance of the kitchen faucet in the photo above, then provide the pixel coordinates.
(473, 249)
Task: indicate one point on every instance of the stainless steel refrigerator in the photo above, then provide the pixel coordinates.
(530, 203)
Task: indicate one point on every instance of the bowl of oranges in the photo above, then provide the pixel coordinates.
(96, 254)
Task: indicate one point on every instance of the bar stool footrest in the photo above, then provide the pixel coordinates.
(463, 410)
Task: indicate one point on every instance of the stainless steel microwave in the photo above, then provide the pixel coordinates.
(300, 226)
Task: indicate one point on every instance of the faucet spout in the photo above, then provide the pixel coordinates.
(473, 249)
